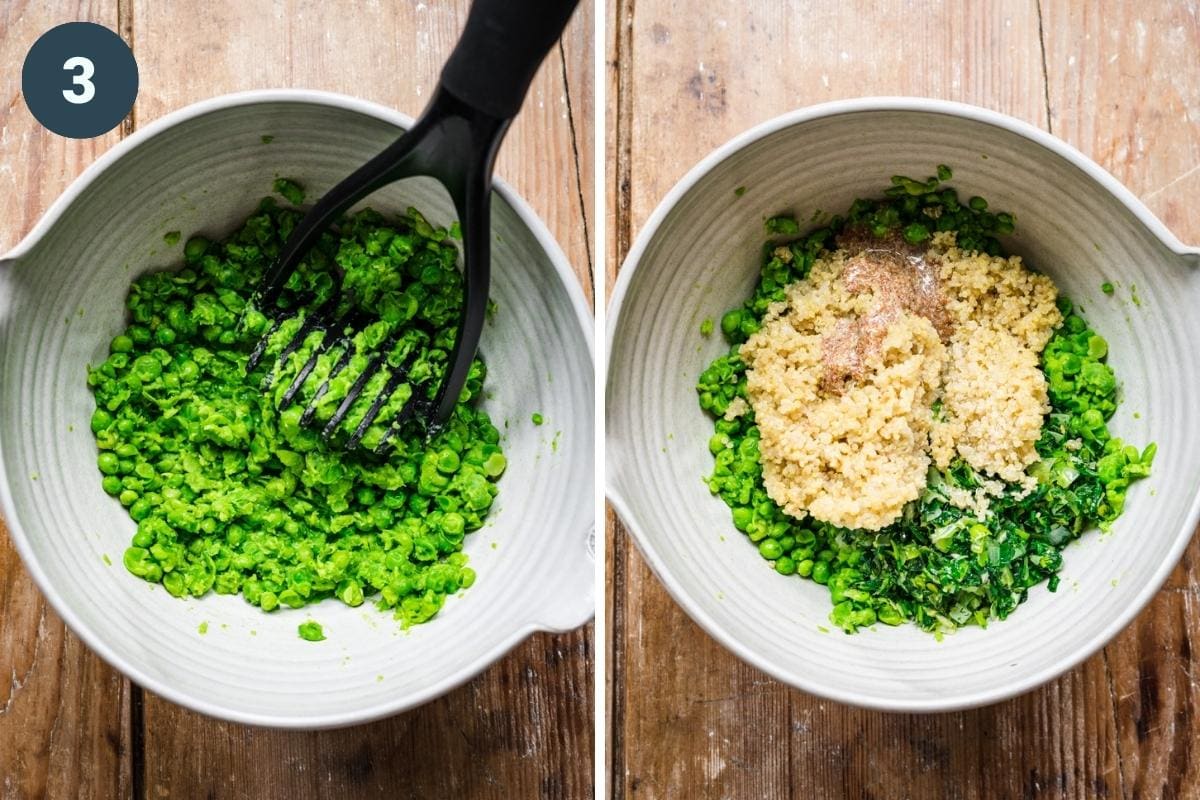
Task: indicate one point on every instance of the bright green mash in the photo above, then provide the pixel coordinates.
(938, 566)
(229, 494)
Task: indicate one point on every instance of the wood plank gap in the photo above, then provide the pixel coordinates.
(1045, 69)
(125, 31)
(791, 778)
(587, 237)
(1180, 755)
(623, 54)
(616, 721)
(1112, 697)
(622, 192)
(137, 740)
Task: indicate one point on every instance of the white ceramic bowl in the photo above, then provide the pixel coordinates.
(698, 256)
(203, 169)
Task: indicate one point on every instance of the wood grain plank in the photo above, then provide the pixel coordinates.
(524, 728)
(618, 98)
(1124, 87)
(1113, 83)
(1059, 741)
(712, 76)
(390, 53)
(513, 732)
(64, 713)
(577, 54)
(698, 79)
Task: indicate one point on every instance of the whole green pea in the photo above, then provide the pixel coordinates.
(731, 322)
(101, 420)
(770, 549)
(194, 249)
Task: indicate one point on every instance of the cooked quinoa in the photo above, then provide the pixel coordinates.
(855, 458)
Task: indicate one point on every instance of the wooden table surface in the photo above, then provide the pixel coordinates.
(70, 726)
(1119, 81)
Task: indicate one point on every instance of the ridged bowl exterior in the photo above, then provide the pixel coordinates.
(698, 256)
(203, 170)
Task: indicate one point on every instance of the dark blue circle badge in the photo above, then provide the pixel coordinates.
(79, 80)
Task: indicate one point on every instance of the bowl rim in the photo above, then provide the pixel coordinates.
(195, 702)
(656, 559)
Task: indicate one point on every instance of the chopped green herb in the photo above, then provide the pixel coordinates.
(1107, 287)
(706, 327)
(267, 139)
(537, 418)
(782, 226)
(741, 190)
(171, 238)
(203, 629)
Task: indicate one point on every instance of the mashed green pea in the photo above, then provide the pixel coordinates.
(233, 496)
(311, 631)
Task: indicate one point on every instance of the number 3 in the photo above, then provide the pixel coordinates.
(86, 89)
